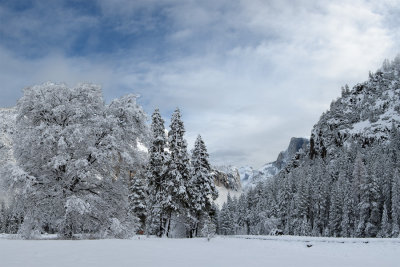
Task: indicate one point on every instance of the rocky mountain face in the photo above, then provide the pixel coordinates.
(250, 177)
(365, 114)
(227, 181)
(296, 143)
(227, 176)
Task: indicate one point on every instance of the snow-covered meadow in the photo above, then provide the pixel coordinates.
(220, 251)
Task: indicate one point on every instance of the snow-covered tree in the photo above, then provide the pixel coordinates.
(396, 204)
(157, 177)
(138, 198)
(305, 227)
(368, 206)
(177, 202)
(3, 217)
(385, 225)
(346, 223)
(226, 223)
(209, 228)
(202, 190)
(335, 213)
(284, 199)
(77, 153)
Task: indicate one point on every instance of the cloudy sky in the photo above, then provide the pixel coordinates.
(247, 75)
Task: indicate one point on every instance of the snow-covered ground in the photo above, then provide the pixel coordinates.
(230, 251)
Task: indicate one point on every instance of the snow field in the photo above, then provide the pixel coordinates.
(221, 251)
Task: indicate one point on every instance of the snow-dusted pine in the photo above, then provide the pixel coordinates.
(202, 190)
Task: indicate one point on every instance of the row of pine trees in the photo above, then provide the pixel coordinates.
(354, 193)
(175, 190)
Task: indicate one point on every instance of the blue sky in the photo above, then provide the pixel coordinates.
(248, 75)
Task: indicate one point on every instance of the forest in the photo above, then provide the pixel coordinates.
(80, 168)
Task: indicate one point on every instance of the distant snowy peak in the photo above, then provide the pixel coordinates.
(245, 173)
(364, 114)
(296, 143)
(250, 177)
(269, 169)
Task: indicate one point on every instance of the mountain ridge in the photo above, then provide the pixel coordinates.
(250, 177)
(346, 183)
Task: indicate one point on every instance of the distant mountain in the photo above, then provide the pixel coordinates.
(364, 114)
(346, 182)
(227, 176)
(249, 176)
(227, 180)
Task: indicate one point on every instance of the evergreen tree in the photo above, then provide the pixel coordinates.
(178, 176)
(3, 217)
(395, 204)
(209, 228)
(284, 201)
(385, 225)
(226, 224)
(157, 177)
(303, 201)
(335, 213)
(305, 229)
(346, 223)
(242, 214)
(138, 198)
(202, 189)
(320, 193)
(368, 206)
(360, 194)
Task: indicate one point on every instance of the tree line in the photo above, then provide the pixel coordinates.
(181, 189)
(352, 193)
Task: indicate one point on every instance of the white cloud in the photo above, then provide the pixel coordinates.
(247, 75)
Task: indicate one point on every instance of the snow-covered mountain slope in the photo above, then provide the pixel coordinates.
(364, 114)
(227, 181)
(245, 173)
(250, 177)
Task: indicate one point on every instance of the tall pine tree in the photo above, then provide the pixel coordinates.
(156, 175)
(178, 174)
(137, 199)
(202, 189)
(395, 204)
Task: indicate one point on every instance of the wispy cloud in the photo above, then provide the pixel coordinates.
(248, 75)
